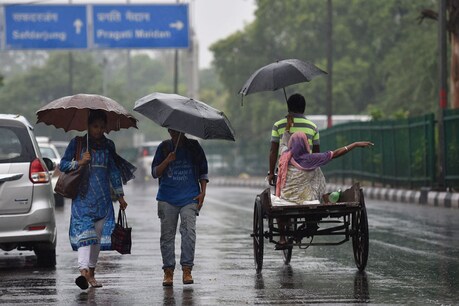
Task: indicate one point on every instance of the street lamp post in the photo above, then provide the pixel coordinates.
(329, 102)
(443, 99)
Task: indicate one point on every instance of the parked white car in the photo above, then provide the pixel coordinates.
(61, 146)
(147, 152)
(27, 220)
(50, 151)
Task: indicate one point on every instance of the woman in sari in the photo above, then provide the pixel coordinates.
(299, 176)
(92, 217)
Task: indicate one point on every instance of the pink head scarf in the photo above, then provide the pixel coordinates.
(300, 156)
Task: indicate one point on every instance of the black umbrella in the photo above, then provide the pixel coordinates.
(279, 75)
(185, 115)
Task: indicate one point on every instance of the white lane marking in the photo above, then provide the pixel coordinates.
(412, 251)
(228, 205)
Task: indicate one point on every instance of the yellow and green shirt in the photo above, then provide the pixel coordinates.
(300, 124)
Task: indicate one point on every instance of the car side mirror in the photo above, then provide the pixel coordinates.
(49, 164)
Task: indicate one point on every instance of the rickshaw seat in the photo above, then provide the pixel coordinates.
(348, 197)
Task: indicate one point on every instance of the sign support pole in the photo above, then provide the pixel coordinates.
(176, 63)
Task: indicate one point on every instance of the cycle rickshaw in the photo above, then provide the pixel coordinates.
(343, 220)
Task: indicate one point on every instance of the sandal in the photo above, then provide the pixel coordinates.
(92, 280)
(82, 282)
(94, 283)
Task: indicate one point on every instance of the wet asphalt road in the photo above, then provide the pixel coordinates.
(414, 259)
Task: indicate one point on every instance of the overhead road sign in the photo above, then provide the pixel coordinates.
(45, 27)
(140, 26)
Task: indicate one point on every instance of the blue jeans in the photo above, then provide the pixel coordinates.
(169, 214)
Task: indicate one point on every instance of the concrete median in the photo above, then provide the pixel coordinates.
(423, 196)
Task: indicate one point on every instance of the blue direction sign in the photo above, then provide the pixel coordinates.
(45, 27)
(141, 26)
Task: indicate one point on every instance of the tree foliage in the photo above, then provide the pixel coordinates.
(380, 52)
(59, 74)
(25, 93)
(383, 61)
(33, 79)
(384, 64)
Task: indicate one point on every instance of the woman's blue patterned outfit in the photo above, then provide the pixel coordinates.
(94, 201)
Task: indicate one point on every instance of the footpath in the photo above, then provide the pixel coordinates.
(424, 196)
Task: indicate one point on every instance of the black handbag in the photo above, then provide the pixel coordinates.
(68, 183)
(121, 236)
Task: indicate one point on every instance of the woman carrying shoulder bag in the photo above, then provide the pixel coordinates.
(92, 216)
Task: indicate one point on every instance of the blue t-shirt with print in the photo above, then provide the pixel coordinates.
(179, 182)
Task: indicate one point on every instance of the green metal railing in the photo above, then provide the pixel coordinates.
(451, 134)
(403, 155)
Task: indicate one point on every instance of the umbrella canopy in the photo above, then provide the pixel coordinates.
(185, 115)
(72, 112)
(279, 75)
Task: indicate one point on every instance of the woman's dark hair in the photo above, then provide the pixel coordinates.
(296, 104)
(97, 115)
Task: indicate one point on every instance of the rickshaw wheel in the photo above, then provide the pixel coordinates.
(360, 238)
(258, 235)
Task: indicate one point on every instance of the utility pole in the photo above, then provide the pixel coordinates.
(128, 64)
(192, 59)
(443, 98)
(176, 63)
(70, 58)
(176, 60)
(70, 84)
(104, 76)
(329, 96)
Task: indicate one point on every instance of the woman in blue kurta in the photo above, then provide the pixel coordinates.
(92, 218)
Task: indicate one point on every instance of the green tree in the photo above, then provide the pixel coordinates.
(452, 27)
(25, 93)
(381, 58)
(15, 61)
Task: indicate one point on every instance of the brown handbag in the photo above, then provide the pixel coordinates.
(68, 183)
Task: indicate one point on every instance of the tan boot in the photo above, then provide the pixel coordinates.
(187, 278)
(168, 277)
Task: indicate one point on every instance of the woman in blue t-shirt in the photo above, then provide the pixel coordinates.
(181, 167)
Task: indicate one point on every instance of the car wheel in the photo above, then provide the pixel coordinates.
(58, 200)
(46, 254)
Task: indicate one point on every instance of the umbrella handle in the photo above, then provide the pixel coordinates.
(176, 145)
(285, 94)
(87, 132)
(87, 144)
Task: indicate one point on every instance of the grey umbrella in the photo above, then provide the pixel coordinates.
(279, 75)
(185, 115)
